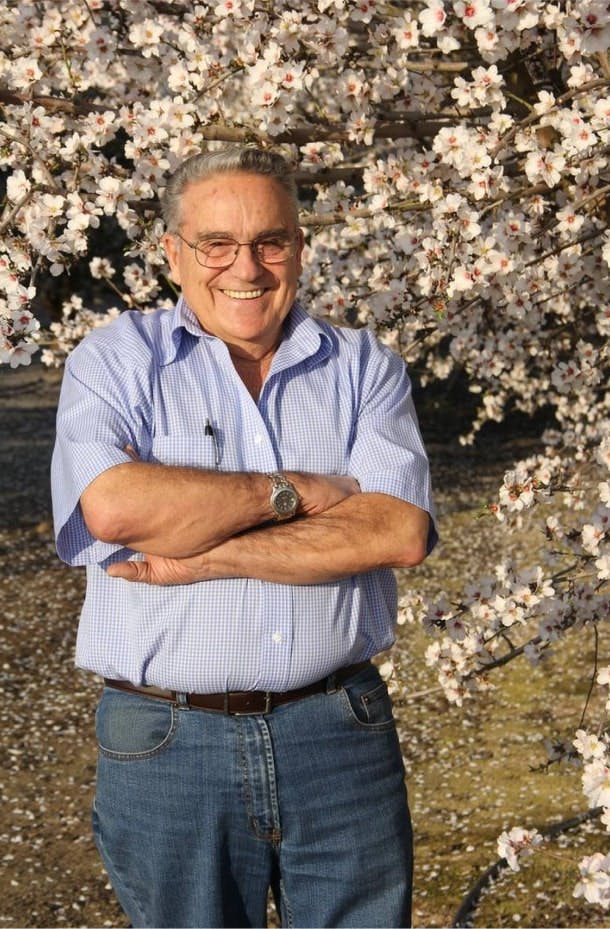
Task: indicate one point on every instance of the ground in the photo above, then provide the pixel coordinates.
(469, 773)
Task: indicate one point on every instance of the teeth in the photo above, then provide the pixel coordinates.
(244, 294)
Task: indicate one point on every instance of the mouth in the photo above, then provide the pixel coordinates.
(244, 294)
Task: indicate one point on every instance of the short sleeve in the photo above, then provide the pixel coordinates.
(92, 431)
(388, 454)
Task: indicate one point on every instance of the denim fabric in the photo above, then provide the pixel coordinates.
(198, 814)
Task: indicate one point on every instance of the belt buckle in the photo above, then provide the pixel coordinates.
(256, 711)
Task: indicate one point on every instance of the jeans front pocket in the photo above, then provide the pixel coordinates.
(368, 701)
(129, 727)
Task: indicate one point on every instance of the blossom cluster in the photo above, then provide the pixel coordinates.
(522, 612)
(594, 870)
(594, 750)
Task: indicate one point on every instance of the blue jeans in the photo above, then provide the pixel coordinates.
(198, 814)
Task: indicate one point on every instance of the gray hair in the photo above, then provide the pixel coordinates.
(225, 161)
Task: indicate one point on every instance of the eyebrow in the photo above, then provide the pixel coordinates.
(280, 231)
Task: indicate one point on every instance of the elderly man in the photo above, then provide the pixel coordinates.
(240, 480)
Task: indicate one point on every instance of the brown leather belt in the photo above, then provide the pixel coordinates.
(242, 702)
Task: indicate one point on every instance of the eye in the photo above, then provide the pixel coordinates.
(274, 241)
(275, 246)
(216, 246)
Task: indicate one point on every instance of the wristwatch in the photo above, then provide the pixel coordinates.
(284, 497)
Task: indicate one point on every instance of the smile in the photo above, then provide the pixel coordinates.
(244, 294)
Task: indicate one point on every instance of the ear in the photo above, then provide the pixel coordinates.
(171, 244)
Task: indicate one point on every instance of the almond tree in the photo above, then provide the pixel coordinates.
(453, 162)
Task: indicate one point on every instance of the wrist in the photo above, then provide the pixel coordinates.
(284, 498)
(219, 562)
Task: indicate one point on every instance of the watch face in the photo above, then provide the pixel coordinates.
(284, 501)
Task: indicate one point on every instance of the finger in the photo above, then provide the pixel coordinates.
(130, 450)
(128, 570)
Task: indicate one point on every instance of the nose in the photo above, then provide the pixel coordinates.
(246, 262)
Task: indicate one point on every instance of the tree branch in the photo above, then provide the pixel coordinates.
(534, 117)
(9, 218)
(463, 917)
(411, 126)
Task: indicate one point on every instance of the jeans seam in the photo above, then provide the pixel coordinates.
(247, 792)
(285, 908)
(276, 834)
(273, 836)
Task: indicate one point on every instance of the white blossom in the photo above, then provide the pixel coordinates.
(517, 844)
(589, 745)
(19, 354)
(594, 883)
(432, 17)
(596, 781)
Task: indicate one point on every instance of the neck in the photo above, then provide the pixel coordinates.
(252, 354)
(252, 371)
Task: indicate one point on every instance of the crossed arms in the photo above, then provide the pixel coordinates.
(196, 525)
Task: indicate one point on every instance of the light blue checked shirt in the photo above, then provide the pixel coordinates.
(335, 402)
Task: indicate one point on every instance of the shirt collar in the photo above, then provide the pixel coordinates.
(303, 336)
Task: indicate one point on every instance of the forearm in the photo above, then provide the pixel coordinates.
(359, 534)
(173, 511)
(180, 512)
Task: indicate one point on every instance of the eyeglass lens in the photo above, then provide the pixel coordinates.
(269, 250)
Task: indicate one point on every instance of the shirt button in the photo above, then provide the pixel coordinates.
(277, 637)
(258, 439)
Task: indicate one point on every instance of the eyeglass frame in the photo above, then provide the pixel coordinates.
(252, 243)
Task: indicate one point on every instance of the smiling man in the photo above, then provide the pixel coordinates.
(240, 481)
(240, 269)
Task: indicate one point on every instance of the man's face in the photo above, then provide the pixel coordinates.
(246, 303)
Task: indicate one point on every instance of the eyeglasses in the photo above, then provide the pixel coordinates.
(218, 252)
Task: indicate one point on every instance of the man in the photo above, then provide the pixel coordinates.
(239, 480)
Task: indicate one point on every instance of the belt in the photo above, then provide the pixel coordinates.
(242, 702)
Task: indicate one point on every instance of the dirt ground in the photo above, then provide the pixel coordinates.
(51, 875)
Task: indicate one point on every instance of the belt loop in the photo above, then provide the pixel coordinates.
(226, 703)
(331, 683)
(182, 699)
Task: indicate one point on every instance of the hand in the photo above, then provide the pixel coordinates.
(320, 492)
(162, 571)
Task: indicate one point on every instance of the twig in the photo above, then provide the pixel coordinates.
(463, 916)
(340, 216)
(8, 219)
(593, 676)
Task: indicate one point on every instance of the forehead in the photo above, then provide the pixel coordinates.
(234, 202)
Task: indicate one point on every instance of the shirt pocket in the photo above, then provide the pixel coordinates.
(186, 451)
